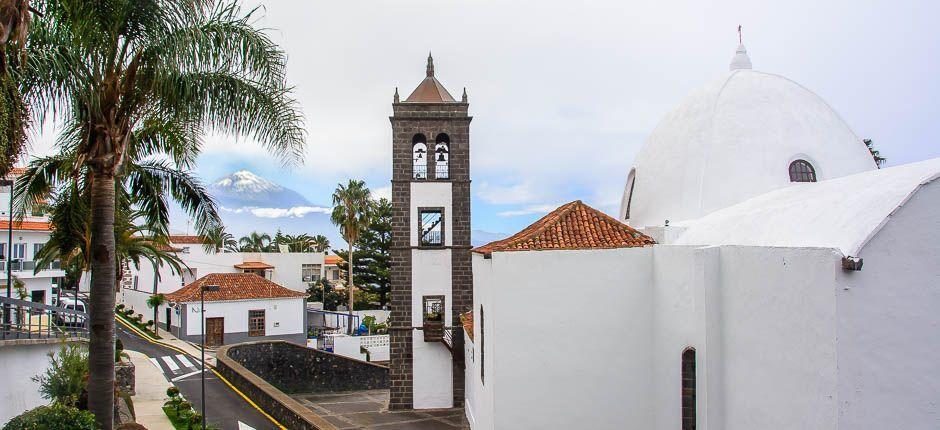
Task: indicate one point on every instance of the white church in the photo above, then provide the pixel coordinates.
(764, 274)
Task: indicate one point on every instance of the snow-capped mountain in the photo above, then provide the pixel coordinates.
(246, 189)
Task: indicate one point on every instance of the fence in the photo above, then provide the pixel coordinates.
(29, 320)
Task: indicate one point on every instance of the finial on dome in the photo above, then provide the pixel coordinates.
(395, 99)
(430, 65)
(740, 60)
(464, 97)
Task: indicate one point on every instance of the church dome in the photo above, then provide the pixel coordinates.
(740, 136)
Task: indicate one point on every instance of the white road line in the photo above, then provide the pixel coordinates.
(243, 426)
(155, 363)
(186, 363)
(185, 376)
(168, 359)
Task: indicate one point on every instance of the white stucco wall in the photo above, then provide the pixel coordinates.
(282, 316)
(431, 194)
(19, 363)
(433, 368)
(889, 324)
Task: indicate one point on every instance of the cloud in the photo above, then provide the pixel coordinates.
(529, 210)
(292, 212)
(519, 193)
(382, 192)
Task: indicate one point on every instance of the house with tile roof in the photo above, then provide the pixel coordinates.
(239, 307)
(765, 271)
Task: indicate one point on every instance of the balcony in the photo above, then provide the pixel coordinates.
(28, 266)
(29, 320)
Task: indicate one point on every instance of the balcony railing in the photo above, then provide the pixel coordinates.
(420, 171)
(29, 320)
(22, 266)
(441, 171)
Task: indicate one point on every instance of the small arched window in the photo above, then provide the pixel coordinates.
(688, 389)
(442, 156)
(419, 156)
(802, 171)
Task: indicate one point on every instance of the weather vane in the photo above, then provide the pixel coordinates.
(740, 42)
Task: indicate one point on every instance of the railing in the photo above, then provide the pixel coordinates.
(22, 266)
(29, 320)
(420, 171)
(432, 238)
(441, 171)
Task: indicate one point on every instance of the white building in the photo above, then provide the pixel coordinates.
(29, 236)
(292, 270)
(794, 288)
(245, 307)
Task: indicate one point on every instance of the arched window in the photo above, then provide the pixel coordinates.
(688, 389)
(442, 156)
(419, 156)
(802, 171)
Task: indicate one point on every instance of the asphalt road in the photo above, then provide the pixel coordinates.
(224, 408)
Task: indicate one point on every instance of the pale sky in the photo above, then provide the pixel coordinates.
(564, 93)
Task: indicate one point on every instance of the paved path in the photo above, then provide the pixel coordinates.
(150, 386)
(367, 410)
(225, 407)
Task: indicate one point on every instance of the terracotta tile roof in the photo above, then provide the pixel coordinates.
(430, 90)
(332, 260)
(27, 225)
(232, 286)
(253, 265)
(17, 171)
(169, 248)
(186, 239)
(571, 226)
(466, 319)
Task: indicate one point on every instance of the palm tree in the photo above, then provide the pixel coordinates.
(351, 203)
(155, 301)
(147, 77)
(255, 242)
(320, 243)
(15, 17)
(218, 240)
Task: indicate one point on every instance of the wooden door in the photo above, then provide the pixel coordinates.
(215, 331)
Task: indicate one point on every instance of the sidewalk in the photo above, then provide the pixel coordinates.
(150, 385)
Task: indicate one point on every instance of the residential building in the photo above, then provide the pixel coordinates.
(244, 307)
(332, 272)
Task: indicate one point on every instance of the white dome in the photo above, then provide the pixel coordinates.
(735, 139)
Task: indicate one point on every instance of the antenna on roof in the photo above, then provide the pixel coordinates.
(740, 36)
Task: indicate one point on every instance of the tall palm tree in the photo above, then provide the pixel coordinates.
(218, 240)
(168, 69)
(255, 242)
(15, 17)
(154, 302)
(351, 213)
(320, 243)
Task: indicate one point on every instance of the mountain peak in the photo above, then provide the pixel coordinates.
(244, 181)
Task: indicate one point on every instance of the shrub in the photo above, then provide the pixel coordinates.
(172, 392)
(139, 318)
(64, 379)
(149, 323)
(54, 417)
(118, 350)
(119, 307)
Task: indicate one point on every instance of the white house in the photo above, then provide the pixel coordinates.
(794, 286)
(293, 270)
(245, 307)
(29, 236)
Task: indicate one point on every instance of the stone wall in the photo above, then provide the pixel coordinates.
(124, 377)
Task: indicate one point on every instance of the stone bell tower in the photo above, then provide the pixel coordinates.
(431, 278)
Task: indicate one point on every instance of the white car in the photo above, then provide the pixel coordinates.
(66, 319)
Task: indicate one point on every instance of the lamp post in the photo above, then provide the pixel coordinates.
(9, 252)
(202, 312)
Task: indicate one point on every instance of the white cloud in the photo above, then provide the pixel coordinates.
(519, 193)
(529, 210)
(382, 192)
(292, 212)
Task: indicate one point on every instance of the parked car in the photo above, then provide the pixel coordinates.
(69, 319)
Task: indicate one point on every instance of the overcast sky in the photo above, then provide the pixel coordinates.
(563, 93)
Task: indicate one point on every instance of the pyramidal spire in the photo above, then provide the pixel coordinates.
(430, 65)
(740, 60)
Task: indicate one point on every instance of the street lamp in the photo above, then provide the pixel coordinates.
(202, 311)
(9, 252)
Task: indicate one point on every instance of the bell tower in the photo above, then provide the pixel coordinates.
(431, 277)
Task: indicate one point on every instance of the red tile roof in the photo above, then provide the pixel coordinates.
(27, 225)
(232, 286)
(186, 239)
(430, 89)
(17, 171)
(466, 319)
(253, 265)
(332, 260)
(571, 226)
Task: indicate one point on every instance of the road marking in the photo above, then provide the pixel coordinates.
(156, 363)
(147, 337)
(168, 359)
(185, 376)
(243, 426)
(186, 363)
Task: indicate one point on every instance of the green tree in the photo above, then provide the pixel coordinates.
(255, 242)
(15, 17)
(58, 417)
(351, 213)
(218, 240)
(320, 243)
(147, 76)
(371, 256)
(64, 380)
(155, 301)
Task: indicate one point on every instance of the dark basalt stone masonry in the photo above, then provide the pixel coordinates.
(430, 119)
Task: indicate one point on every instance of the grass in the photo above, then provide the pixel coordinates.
(181, 420)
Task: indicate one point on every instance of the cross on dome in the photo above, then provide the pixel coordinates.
(741, 59)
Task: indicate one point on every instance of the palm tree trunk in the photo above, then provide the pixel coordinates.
(350, 287)
(101, 306)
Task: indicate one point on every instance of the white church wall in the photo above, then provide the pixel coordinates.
(433, 368)
(778, 325)
(572, 338)
(479, 397)
(431, 194)
(888, 323)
